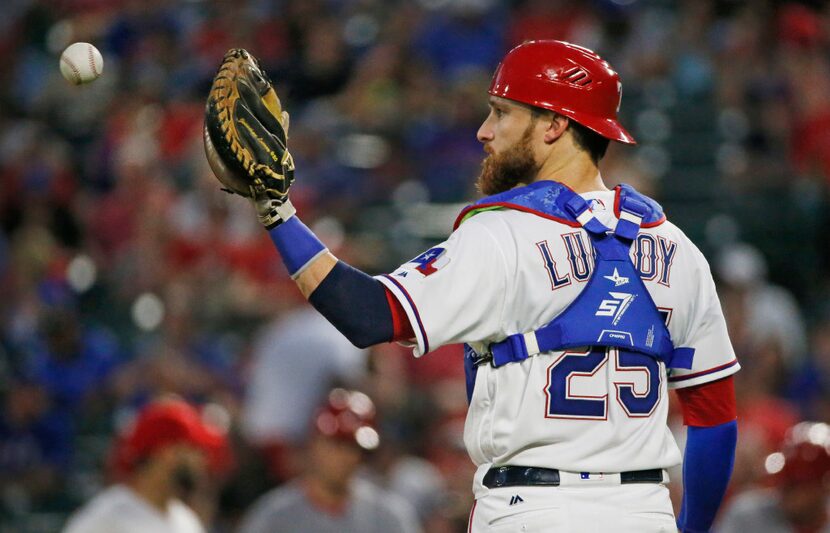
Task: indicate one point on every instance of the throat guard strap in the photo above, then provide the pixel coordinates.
(632, 212)
(579, 209)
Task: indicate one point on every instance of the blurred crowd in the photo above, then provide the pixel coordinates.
(126, 275)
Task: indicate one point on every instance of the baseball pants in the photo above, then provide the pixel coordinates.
(634, 508)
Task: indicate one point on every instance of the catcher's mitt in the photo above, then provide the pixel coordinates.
(245, 131)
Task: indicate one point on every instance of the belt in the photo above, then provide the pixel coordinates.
(517, 476)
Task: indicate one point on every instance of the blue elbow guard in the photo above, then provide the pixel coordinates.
(297, 245)
(707, 466)
(355, 303)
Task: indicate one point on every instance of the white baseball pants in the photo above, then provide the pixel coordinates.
(631, 508)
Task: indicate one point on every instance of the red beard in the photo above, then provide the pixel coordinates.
(515, 166)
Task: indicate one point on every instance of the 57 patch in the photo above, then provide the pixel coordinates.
(430, 261)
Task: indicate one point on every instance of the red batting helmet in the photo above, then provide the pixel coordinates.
(805, 456)
(568, 79)
(348, 415)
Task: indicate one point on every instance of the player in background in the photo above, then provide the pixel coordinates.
(161, 461)
(799, 498)
(580, 307)
(329, 497)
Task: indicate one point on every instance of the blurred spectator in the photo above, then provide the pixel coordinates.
(296, 359)
(35, 443)
(445, 449)
(417, 481)
(329, 498)
(809, 388)
(73, 362)
(767, 329)
(323, 68)
(466, 36)
(798, 501)
(423, 458)
(768, 332)
(759, 313)
(552, 19)
(162, 462)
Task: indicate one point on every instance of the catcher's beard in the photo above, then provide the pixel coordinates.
(516, 165)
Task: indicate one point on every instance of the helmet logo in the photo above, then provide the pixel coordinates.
(619, 92)
(577, 76)
(573, 76)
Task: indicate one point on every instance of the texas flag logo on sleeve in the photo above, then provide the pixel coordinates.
(431, 261)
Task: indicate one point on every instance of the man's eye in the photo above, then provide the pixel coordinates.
(498, 112)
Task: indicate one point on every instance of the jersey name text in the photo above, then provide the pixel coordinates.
(653, 258)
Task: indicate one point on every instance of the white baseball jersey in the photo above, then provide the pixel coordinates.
(120, 510)
(506, 271)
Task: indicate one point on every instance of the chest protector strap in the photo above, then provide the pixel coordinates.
(614, 309)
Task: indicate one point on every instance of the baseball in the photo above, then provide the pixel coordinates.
(81, 63)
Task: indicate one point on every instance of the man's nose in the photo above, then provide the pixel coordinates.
(485, 133)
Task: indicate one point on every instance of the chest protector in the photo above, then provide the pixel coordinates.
(614, 309)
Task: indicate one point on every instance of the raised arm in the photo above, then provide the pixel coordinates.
(246, 143)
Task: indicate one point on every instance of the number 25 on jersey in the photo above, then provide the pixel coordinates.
(637, 383)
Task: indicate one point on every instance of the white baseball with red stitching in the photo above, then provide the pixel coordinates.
(81, 63)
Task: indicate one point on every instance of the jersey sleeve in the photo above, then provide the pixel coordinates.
(454, 292)
(706, 332)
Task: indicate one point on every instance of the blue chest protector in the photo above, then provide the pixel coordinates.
(614, 309)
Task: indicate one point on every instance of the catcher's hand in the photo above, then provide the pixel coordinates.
(245, 135)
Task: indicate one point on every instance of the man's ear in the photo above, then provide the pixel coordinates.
(556, 126)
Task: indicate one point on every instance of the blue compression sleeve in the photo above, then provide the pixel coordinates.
(355, 303)
(297, 245)
(707, 466)
(352, 301)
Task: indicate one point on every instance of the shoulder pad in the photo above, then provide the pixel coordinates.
(652, 213)
(547, 199)
(540, 198)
